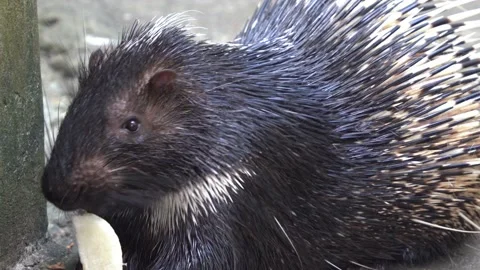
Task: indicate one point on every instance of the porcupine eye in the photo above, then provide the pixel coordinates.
(132, 125)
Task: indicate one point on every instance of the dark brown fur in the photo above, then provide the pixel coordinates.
(308, 145)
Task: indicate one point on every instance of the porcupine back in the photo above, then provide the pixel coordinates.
(404, 98)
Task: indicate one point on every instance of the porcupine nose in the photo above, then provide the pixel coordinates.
(76, 185)
(57, 191)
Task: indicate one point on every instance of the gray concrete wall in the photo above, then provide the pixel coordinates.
(22, 207)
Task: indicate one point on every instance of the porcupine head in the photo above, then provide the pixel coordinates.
(140, 127)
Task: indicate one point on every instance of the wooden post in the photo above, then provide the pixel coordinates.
(22, 207)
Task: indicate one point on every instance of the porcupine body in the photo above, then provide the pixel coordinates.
(330, 134)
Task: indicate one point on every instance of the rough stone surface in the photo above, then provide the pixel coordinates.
(22, 207)
(69, 30)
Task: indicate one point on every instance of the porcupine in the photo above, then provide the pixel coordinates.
(328, 134)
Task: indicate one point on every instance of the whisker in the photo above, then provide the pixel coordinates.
(462, 215)
(119, 169)
(361, 265)
(71, 190)
(227, 84)
(333, 265)
(84, 37)
(289, 240)
(442, 227)
(48, 124)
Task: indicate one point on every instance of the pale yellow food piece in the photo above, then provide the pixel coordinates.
(98, 245)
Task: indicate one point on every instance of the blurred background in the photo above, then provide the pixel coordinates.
(70, 30)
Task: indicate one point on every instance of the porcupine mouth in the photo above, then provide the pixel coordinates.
(73, 198)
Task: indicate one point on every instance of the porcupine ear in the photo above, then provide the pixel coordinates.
(95, 59)
(162, 78)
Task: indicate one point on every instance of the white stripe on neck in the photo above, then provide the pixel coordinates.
(198, 199)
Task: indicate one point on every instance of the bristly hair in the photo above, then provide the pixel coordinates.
(367, 107)
(402, 82)
(147, 34)
(137, 36)
(197, 200)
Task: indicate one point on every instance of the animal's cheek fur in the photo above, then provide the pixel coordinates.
(91, 173)
(83, 183)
